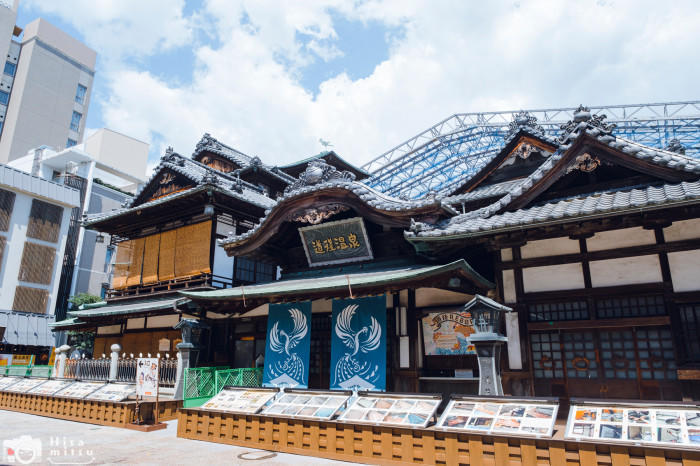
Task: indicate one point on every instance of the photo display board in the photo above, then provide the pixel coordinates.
(24, 385)
(7, 381)
(240, 400)
(524, 417)
(308, 404)
(395, 410)
(636, 424)
(113, 392)
(50, 387)
(79, 389)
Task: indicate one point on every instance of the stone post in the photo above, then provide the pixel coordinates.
(62, 356)
(489, 355)
(114, 361)
(188, 351)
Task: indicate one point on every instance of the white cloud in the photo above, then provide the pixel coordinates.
(451, 56)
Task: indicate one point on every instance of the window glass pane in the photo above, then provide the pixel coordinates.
(635, 306)
(71, 142)
(80, 94)
(10, 68)
(75, 121)
(545, 312)
(4, 97)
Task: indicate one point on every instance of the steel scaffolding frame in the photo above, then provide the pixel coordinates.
(440, 158)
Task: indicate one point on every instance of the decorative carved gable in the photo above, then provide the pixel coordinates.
(218, 163)
(163, 184)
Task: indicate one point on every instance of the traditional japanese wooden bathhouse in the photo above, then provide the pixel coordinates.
(166, 241)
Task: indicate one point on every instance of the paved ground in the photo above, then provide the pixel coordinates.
(67, 442)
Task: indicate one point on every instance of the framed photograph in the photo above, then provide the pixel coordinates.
(24, 385)
(522, 417)
(79, 389)
(634, 423)
(308, 404)
(392, 409)
(50, 387)
(242, 400)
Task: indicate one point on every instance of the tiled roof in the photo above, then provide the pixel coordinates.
(371, 197)
(594, 205)
(213, 145)
(200, 174)
(483, 192)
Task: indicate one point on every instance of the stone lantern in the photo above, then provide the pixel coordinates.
(188, 348)
(488, 341)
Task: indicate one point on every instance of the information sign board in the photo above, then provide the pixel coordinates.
(24, 385)
(308, 404)
(79, 389)
(50, 387)
(7, 381)
(240, 400)
(391, 409)
(147, 376)
(523, 417)
(647, 423)
(113, 392)
(447, 333)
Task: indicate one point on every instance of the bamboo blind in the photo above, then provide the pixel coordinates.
(37, 263)
(30, 300)
(121, 266)
(44, 221)
(150, 259)
(135, 262)
(166, 255)
(7, 202)
(192, 249)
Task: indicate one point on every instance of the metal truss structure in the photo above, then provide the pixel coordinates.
(440, 158)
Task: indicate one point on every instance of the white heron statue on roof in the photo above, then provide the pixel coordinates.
(350, 373)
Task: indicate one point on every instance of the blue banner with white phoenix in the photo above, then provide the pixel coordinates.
(358, 344)
(288, 345)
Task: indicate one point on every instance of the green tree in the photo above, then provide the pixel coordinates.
(83, 298)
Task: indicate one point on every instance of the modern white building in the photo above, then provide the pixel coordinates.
(34, 223)
(45, 87)
(106, 168)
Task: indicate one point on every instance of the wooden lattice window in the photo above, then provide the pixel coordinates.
(656, 355)
(44, 221)
(579, 350)
(37, 263)
(7, 202)
(546, 355)
(631, 306)
(618, 355)
(690, 331)
(30, 300)
(546, 312)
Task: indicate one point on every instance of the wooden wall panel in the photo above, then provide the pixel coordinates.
(44, 221)
(30, 300)
(7, 203)
(37, 263)
(136, 262)
(192, 250)
(389, 445)
(121, 265)
(137, 342)
(166, 255)
(150, 259)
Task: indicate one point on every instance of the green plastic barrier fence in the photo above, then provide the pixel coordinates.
(199, 386)
(41, 371)
(17, 371)
(238, 378)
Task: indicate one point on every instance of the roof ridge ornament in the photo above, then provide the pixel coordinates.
(207, 142)
(209, 178)
(524, 120)
(319, 172)
(674, 145)
(583, 117)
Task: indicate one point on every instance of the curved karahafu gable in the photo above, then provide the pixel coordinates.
(322, 191)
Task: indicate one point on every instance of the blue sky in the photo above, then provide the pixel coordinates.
(271, 78)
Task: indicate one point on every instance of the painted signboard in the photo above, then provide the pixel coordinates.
(288, 345)
(358, 344)
(447, 333)
(147, 376)
(336, 242)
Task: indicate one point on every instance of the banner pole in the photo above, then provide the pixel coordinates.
(157, 390)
